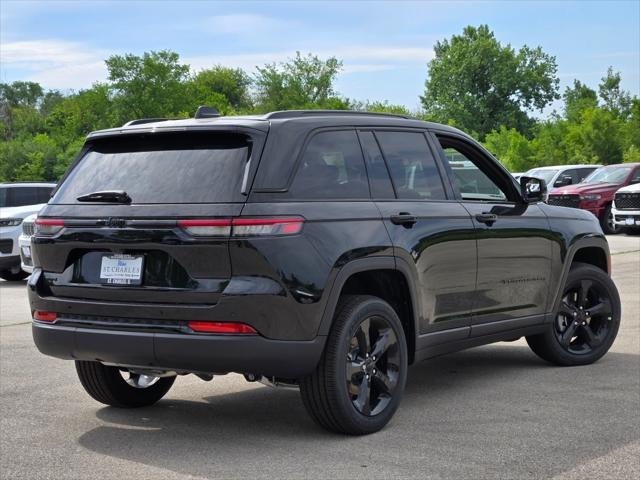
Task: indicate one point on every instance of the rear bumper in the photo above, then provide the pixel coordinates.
(181, 352)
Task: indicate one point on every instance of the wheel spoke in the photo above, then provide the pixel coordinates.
(590, 337)
(566, 309)
(568, 334)
(354, 368)
(363, 400)
(364, 337)
(583, 292)
(384, 383)
(385, 339)
(602, 308)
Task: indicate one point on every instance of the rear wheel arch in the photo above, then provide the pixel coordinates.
(387, 278)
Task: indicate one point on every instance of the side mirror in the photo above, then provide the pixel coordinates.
(564, 180)
(533, 189)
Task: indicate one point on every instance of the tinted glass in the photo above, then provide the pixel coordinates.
(472, 182)
(19, 196)
(163, 168)
(331, 167)
(413, 168)
(378, 174)
(609, 175)
(44, 194)
(636, 176)
(542, 173)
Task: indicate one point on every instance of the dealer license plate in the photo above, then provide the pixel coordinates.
(121, 269)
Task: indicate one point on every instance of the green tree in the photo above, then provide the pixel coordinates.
(481, 84)
(302, 82)
(381, 107)
(18, 99)
(222, 87)
(511, 148)
(577, 99)
(596, 139)
(616, 100)
(153, 85)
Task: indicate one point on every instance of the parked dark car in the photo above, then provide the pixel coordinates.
(325, 250)
(595, 194)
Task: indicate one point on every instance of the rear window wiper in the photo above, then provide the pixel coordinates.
(107, 196)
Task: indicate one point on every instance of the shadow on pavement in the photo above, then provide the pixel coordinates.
(490, 411)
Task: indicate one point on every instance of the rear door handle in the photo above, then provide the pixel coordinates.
(488, 218)
(403, 218)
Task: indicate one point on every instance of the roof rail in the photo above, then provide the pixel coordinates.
(302, 113)
(141, 121)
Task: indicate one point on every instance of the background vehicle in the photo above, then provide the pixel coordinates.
(17, 200)
(24, 242)
(626, 207)
(562, 175)
(327, 250)
(596, 193)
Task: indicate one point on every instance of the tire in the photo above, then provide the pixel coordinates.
(579, 336)
(107, 385)
(606, 222)
(10, 276)
(338, 401)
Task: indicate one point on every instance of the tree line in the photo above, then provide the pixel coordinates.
(474, 82)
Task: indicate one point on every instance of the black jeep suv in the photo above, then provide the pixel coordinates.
(325, 250)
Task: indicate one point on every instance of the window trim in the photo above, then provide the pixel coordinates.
(493, 167)
(448, 193)
(386, 166)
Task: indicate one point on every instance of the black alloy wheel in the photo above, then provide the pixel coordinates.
(584, 318)
(358, 384)
(586, 322)
(373, 366)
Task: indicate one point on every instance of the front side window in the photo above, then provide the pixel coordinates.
(471, 180)
(412, 166)
(331, 167)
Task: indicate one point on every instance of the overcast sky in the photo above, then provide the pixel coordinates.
(385, 46)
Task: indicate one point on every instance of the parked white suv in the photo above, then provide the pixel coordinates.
(626, 207)
(17, 201)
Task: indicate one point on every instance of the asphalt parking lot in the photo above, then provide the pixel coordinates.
(490, 412)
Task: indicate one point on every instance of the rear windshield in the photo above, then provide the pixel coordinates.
(193, 167)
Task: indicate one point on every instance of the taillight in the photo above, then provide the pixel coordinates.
(242, 227)
(207, 228)
(48, 226)
(44, 316)
(266, 226)
(221, 327)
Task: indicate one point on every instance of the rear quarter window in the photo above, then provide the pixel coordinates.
(193, 167)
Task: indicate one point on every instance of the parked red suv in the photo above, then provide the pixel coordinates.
(596, 192)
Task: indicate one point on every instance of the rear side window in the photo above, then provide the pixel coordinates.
(21, 196)
(413, 168)
(331, 167)
(193, 167)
